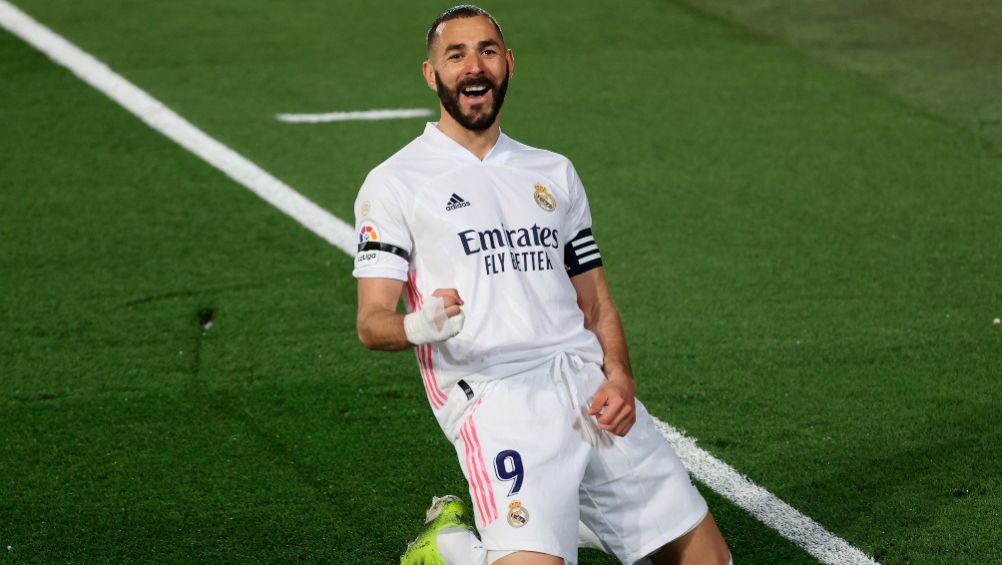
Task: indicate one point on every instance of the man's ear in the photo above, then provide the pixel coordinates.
(511, 62)
(429, 75)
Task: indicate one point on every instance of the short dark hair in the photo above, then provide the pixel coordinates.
(460, 11)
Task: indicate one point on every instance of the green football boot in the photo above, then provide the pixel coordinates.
(444, 513)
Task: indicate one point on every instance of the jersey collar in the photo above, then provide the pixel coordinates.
(441, 142)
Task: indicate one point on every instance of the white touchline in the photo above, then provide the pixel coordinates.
(164, 120)
(718, 475)
(351, 116)
(762, 504)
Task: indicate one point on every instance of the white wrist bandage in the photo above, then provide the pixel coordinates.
(430, 324)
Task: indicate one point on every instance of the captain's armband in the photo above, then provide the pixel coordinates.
(581, 253)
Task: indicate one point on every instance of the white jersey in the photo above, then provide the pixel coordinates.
(507, 232)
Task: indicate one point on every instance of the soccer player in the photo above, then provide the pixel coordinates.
(518, 342)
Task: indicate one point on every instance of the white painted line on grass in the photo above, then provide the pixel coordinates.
(716, 474)
(762, 504)
(353, 116)
(164, 120)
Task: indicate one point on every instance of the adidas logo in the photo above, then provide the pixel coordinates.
(456, 202)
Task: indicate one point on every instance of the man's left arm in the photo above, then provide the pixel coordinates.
(614, 403)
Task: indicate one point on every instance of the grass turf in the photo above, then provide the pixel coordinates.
(941, 56)
(808, 272)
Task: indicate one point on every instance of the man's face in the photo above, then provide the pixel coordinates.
(468, 66)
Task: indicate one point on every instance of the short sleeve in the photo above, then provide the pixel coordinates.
(384, 239)
(581, 252)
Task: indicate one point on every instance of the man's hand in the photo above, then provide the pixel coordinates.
(615, 405)
(452, 301)
(438, 320)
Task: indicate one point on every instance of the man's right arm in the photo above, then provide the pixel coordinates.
(380, 327)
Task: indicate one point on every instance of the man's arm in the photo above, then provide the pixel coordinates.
(614, 403)
(381, 327)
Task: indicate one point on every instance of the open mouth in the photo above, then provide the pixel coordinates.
(475, 93)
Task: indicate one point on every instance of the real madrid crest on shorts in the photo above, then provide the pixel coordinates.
(518, 516)
(544, 199)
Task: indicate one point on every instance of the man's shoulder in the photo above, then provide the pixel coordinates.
(410, 166)
(529, 157)
(403, 160)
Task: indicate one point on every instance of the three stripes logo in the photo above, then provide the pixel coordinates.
(581, 253)
(455, 203)
(585, 248)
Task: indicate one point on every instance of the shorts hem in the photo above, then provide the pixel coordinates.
(668, 537)
(539, 547)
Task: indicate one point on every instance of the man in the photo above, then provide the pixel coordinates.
(519, 345)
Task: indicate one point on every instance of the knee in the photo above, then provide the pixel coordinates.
(523, 558)
(703, 545)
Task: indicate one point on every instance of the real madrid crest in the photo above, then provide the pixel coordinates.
(544, 199)
(518, 516)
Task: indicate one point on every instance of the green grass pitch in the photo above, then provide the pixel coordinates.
(807, 259)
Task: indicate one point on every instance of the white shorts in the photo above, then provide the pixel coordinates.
(537, 464)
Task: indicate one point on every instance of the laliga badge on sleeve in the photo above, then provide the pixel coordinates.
(367, 232)
(366, 258)
(518, 516)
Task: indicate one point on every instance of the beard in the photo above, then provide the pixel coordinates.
(479, 121)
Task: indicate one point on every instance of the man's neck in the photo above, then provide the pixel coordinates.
(479, 143)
